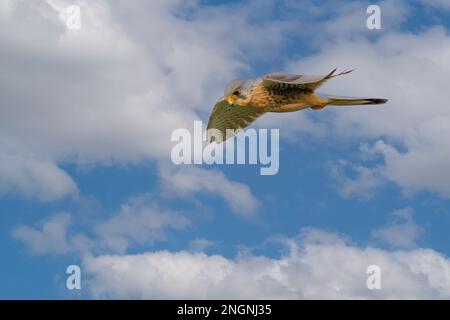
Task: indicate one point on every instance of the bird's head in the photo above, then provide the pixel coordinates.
(238, 91)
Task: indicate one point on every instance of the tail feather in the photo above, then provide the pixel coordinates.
(338, 101)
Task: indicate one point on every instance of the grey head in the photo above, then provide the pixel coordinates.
(238, 90)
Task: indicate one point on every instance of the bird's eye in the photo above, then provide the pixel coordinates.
(236, 92)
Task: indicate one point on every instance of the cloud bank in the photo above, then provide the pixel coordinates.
(319, 265)
(113, 91)
(410, 133)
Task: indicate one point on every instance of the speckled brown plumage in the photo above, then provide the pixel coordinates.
(282, 100)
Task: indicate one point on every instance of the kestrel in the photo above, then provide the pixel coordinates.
(247, 99)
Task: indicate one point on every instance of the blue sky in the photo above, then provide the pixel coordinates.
(87, 177)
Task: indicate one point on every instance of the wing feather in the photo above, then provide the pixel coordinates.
(225, 116)
(303, 82)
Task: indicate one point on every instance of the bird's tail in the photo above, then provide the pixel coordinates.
(351, 101)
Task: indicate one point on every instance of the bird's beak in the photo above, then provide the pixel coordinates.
(231, 99)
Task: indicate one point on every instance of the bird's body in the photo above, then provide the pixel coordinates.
(281, 100)
(247, 99)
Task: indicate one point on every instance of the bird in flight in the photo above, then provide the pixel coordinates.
(245, 100)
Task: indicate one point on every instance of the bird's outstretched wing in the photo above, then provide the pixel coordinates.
(225, 116)
(302, 82)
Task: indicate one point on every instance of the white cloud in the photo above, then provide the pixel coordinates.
(140, 222)
(402, 232)
(424, 166)
(187, 180)
(320, 23)
(51, 239)
(6, 6)
(114, 90)
(200, 244)
(412, 71)
(364, 185)
(351, 18)
(319, 265)
(36, 178)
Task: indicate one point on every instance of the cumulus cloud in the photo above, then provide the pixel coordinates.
(187, 180)
(109, 91)
(200, 244)
(139, 222)
(402, 232)
(412, 128)
(51, 238)
(423, 167)
(114, 90)
(36, 178)
(319, 265)
(364, 183)
(315, 264)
